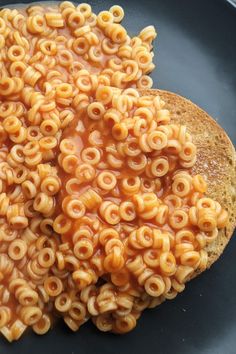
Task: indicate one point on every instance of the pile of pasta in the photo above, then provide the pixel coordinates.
(100, 216)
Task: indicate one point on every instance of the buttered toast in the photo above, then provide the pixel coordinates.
(216, 160)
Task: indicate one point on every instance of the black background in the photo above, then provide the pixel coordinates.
(195, 53)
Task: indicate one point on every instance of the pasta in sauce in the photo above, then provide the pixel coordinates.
(100, 216)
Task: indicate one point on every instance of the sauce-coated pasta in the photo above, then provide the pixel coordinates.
(95, 181)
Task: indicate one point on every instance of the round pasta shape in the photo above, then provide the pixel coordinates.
(103, 322)
(190, 259)
(46, 257)
(85, 172)
(53, 286)
(167, 263)
(125, 324)
(130, 185)
(159, 167)
(110, 213)
(50, 185)
(61, 224)
(77, 311)
(117, 12)
(30, 315)
(207, 220)
(178, 219)
(73, 208)
(17, 249)
(91, 155)
(188, 151)
(155, 286)
(63, 302)
(127, 211)
(104, 18)
(183, 273)
(43, 325)
(181, 187)
(106, 180)
(83, 249)
(5, 316)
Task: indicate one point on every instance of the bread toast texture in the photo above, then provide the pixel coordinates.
(216, 160)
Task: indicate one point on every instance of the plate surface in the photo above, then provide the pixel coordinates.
(195, 53)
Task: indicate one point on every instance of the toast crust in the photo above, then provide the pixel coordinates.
(216, 160)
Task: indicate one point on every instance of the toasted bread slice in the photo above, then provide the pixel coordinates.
(216, 160)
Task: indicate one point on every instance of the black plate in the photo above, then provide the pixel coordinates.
(195, 53)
